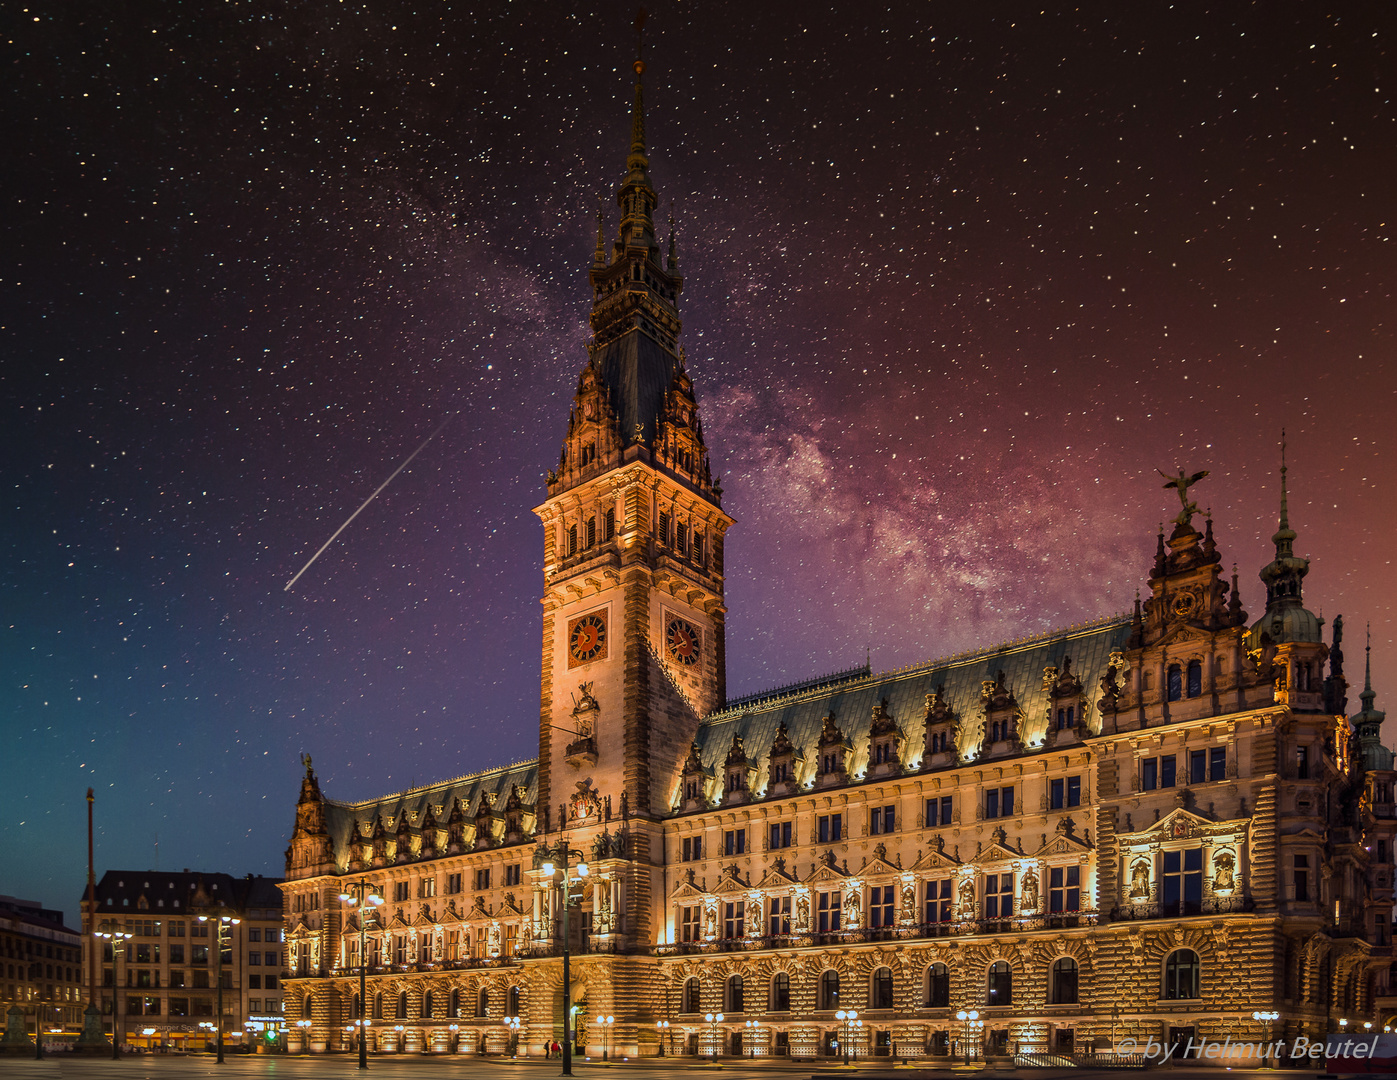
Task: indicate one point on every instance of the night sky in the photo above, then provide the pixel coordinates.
(959, 278)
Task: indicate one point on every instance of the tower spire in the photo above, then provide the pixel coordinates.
(1284, 536)
(1368, 696)
(638, 108)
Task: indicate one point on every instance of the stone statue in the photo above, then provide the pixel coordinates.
(965, 896)
(851, 908)
(1223, 866)
(1140, 880)
(802, 912)
(1181, 484)
(711, 922)
(1028, 897)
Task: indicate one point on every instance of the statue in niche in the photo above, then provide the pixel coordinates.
(909, 896)
(1224, 879)
(1140, 880)
(1028, 900)
(802, 911)
(711, 922)
(965, 897)
(851, 908)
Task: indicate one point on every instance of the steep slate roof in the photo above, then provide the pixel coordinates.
(637, 371)
(906, 690)
(340, 816)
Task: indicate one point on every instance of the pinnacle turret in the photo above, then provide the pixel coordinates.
(1285, 618)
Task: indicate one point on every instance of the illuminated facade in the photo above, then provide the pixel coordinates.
(1149, 825)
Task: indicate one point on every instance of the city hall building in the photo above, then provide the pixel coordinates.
(1152, 825)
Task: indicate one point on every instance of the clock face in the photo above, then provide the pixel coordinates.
(684, 641)
(587, 639)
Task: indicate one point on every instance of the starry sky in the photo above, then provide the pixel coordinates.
(959, 279)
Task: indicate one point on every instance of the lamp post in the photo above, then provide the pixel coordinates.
(1115, 1015)
(1266, 1017)
(969, 1021)
(605, 1022)
(304, 1025)
(549, 869)
(362, 894)
(662, 1029)
(223, 925)
(752, 1027)
(512, 1022)
(847, 1016)
(117, 939)
(714, 1019)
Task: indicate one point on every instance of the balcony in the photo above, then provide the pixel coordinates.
(1182, 909)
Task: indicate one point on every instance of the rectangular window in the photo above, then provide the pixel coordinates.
(1381, 852)
(882, 819)
(176, 954)
(829, 828)
(938, 811)
(1302, 878)
(400, 948)
(1074, 791)
(254, 959)
(698, 547)
(999, 802)
(880, 907)
(269, 958)
(1166, 770)
(482, 879)
(453, 883)
(1197, 766)
(690, 923)
(254, 982)
(427, 888)
(254, 934)
(780, 834)
(779, 912)
(733, 924)
(591, 532)
(829, 906)
(735, 842)
(400, 892)
(1183, 881)
(199, 954)
(1057, 796)
(512, 873)
(681, 538)
(692, 848)
(177, 929)
(1064, 888)
(992, 803)
(1217, 763)
(937, 897)
(1149, 774)
(611, 524)
(1302, 762)
(662, 532)
(999, 896)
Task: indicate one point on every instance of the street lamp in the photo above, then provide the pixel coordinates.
(752, 1027)
(117, 939)
(847, 1016)
(362, 894)
(549, 869)
(662, 1029)
(224, 925)
(714, 1019)
(969, 1021)
(604, 1022)
(304, 1025)
(512, 1022)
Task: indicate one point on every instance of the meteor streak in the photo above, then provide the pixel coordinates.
(366, 502)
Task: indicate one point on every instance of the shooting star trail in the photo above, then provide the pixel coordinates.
(366, 502)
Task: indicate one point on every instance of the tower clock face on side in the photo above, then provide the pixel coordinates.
(684, 641)
(587, 639)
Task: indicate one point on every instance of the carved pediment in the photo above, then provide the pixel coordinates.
(730, 881)
(776, 875)
(781, 746)
(937, 858)
(397, 922)
(878, 866)
(1062, 844)
(510, 906)
(996, 852)
(687, 890)
(423, 917)
(1180, 824)
(826, 870)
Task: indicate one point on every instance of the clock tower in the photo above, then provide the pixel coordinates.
(633, 526)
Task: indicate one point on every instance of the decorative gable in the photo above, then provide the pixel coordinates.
(884, 743)
(835, 749)
(939, 741)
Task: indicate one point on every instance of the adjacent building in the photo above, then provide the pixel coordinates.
(40, 964)
(1151, 825)
(164, 984)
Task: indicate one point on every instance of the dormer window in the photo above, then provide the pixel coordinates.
(1067, 718)
(829, 763)
(883, 753)
(691, 789)
(587, 455)
(736, 781)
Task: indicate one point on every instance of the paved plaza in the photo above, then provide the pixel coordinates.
(282, 1067)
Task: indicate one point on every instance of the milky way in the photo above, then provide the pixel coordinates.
(957, 283)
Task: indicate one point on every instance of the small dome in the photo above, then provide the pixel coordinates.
(1283, 625)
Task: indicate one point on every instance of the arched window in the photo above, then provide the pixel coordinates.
(1000, 984)
(572, 539)
(1195, 678)
(482, 1004)
(1181, 974)
(880, 990)
(938, 987)
(356, 1014)
(691, 996)
(1174, 679)
(780, 998)
(829, 990)
(378, 1007)
(427, 1003)
(402, 1005)
(513, 1008)
(1064, 981)
(734, 995)
(455, 1003)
